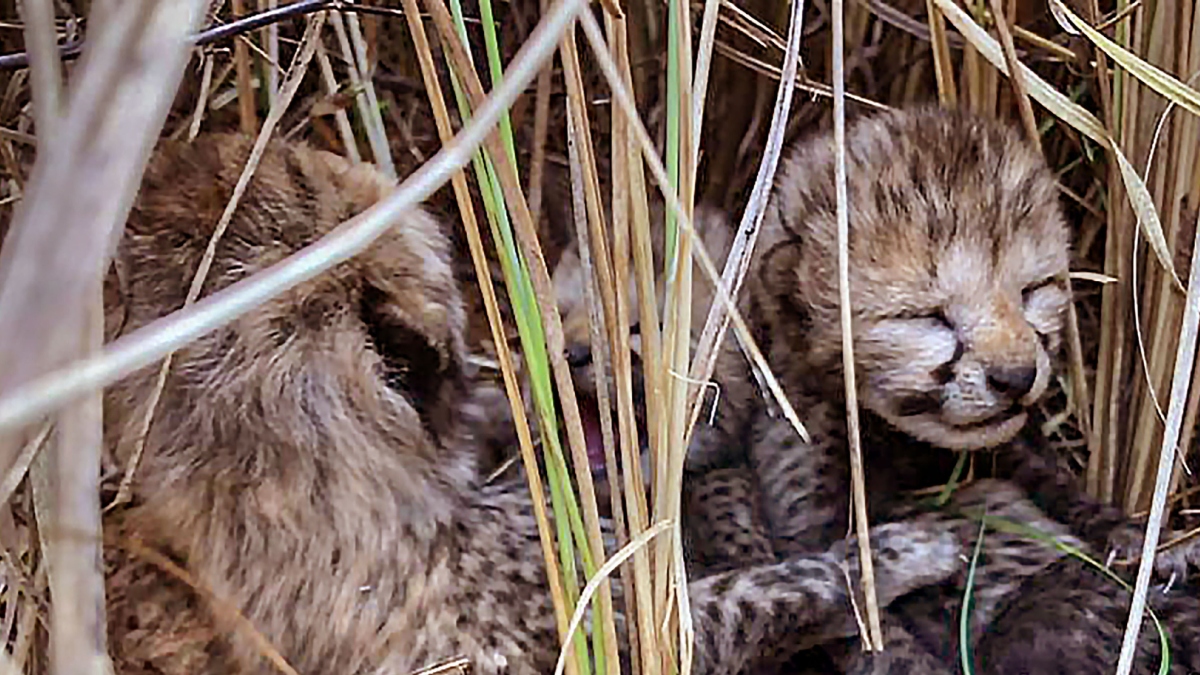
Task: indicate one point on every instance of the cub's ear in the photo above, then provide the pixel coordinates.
(360, 184)
(426, 371)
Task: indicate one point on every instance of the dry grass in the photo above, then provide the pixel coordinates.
(1114, 110)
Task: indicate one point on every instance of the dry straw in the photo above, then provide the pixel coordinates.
(52, 367)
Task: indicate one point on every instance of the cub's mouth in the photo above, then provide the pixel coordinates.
(1006, 415)
(930, 405)
(589, 413)
(926, 419)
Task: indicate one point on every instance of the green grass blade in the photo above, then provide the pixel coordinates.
(964, 619)
(1013, 527)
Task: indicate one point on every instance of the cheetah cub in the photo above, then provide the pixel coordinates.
(311, 468)
(958, 255)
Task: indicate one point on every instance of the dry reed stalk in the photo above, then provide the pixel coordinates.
(206, 78)
(1017, 77)
(66, 497)
(23, 642)
(1189, 139)
(670, 600)
(603, 573)
(629, 439)
(943, 67)
(1074, 342)
(599, 301)
(1099, 474)
(341, 119)
(541, 126)
(270, 37)
(1172, 173)
(247, 116)
(373, 116)
(512, 388)
(526, 235)
(858, 485)
(632, 237)
(624, 99)
(585, 187)
(368, 113)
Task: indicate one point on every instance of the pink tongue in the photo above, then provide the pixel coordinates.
(595, 440)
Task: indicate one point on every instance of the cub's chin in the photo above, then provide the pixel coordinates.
(934, 429)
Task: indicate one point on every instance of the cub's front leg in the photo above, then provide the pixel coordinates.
(757, 617)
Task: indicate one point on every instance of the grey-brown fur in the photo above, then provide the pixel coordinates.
(957, 253)
(312, 463)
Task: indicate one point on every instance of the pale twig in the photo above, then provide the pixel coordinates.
(222, 607)
(206, 78)
(339, 115)
(65, 479)
(66, 498)
(53, 260)
(291, 84)
(13, 478)
(599, 578)
(1184, 359)
(858, 484)
(151, 343)
(45, 67)
(373, 119)
(741, 250)
(802, 82)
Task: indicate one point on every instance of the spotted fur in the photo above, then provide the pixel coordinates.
(958, 251)
(311, 465)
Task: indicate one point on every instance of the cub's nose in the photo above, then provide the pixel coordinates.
(579, 356)
(1012, 382)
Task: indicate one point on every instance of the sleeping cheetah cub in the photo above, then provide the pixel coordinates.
(723, 527)
(958, 251)
(311, 468)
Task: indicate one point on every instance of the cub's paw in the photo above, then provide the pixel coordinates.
(907, 556)
(1125, 552)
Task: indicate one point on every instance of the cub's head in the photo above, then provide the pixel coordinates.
(360, 365)
(958, 251)
(715, 233)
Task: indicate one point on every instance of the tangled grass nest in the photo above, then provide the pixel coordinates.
(1106, 90)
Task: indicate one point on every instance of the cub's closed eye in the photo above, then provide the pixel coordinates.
(1035, 287)
(940, 317)
(937, 315)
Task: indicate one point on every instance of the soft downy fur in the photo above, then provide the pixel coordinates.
(311, 465)
(957, 253)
